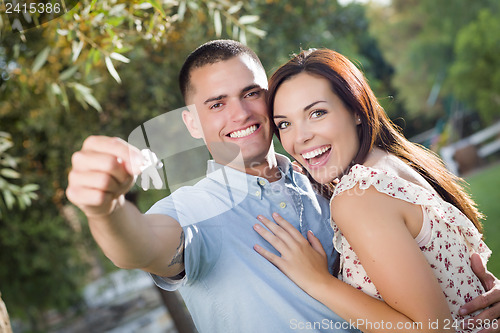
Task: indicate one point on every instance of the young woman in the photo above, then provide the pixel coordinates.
(404, 227)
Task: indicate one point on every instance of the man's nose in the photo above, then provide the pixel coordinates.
(239, 111)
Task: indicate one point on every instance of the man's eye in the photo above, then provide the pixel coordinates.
(283, 124)
(216, 106)
(253, 93)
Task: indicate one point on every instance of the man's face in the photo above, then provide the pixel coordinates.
(230, 102)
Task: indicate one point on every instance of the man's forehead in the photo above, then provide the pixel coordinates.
(236, 73)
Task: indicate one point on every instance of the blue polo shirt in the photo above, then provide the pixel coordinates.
(228, 287)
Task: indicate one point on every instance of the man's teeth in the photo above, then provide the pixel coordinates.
(243, 133)
(315, 152)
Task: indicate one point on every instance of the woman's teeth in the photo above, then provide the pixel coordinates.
(315, 152)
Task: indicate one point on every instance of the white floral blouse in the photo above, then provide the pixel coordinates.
(453, 237)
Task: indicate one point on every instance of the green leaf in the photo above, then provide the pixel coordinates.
(233, 9)
(243, 37)
(182, 10)
(67, 74)
(119, 57)
(258, 32)
(112, 70)
(9, 173)
(236, 31)
(55, 88)
(64, 98)
(30, 188)
(248, 19)
(86, 94)
(93, 102)
(21, 200)
(117, 10)
(76, 48)
(115, 20)
(40, 59)
(158, 7)
(5, 144)
(9, 199)
(217, 23)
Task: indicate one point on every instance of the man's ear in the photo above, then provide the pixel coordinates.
(192, 123)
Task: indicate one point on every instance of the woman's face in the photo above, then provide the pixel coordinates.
(315, 126)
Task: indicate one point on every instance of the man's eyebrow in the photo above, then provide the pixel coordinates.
(250, 87)
(213, 99)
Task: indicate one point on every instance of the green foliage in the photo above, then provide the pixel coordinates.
(475, 70)
(297, 24)
(418, 38)
(103, 68)
(110, 65)
(10, 192)
(483, 187)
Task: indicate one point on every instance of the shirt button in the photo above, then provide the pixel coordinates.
(262, 182)
(257, 193)
(283, 204)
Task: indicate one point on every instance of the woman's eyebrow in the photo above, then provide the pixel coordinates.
(313, 104)
(305, 109)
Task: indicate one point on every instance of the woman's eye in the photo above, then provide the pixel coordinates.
(282, 125)
(317, 113)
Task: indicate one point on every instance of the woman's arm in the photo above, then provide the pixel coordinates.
(374, 226)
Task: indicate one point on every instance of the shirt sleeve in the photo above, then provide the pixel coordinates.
(201, 241)
(169, 284)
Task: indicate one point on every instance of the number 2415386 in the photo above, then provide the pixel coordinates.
(33, 8)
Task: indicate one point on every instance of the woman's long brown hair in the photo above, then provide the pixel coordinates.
(376, 129)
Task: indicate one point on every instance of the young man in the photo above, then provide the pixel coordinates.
(200, 238)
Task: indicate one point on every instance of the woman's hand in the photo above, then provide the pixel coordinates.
(304, 262)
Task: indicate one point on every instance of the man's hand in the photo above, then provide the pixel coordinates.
(102, 172)
(488, 318)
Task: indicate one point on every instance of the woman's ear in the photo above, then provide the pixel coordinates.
(357, 119)
(192, 123)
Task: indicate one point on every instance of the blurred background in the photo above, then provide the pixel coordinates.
(105, 67)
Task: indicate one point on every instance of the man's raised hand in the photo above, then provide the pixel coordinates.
(102, 172)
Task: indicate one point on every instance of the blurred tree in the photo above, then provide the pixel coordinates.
(11, 193)
(417, 37)
(298, 24)
(66, 80)
(475, 73)
(5, 326)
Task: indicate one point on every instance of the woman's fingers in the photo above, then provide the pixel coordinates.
(271, 257)
(315, 243)
(270, 236)
(290, 229)
(283, 236)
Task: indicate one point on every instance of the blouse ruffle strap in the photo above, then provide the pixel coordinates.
(402, 189)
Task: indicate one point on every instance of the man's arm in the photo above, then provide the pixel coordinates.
(489, 318)
(102, 172)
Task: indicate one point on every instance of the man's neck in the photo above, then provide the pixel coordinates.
(266, 167)
(268, 170)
